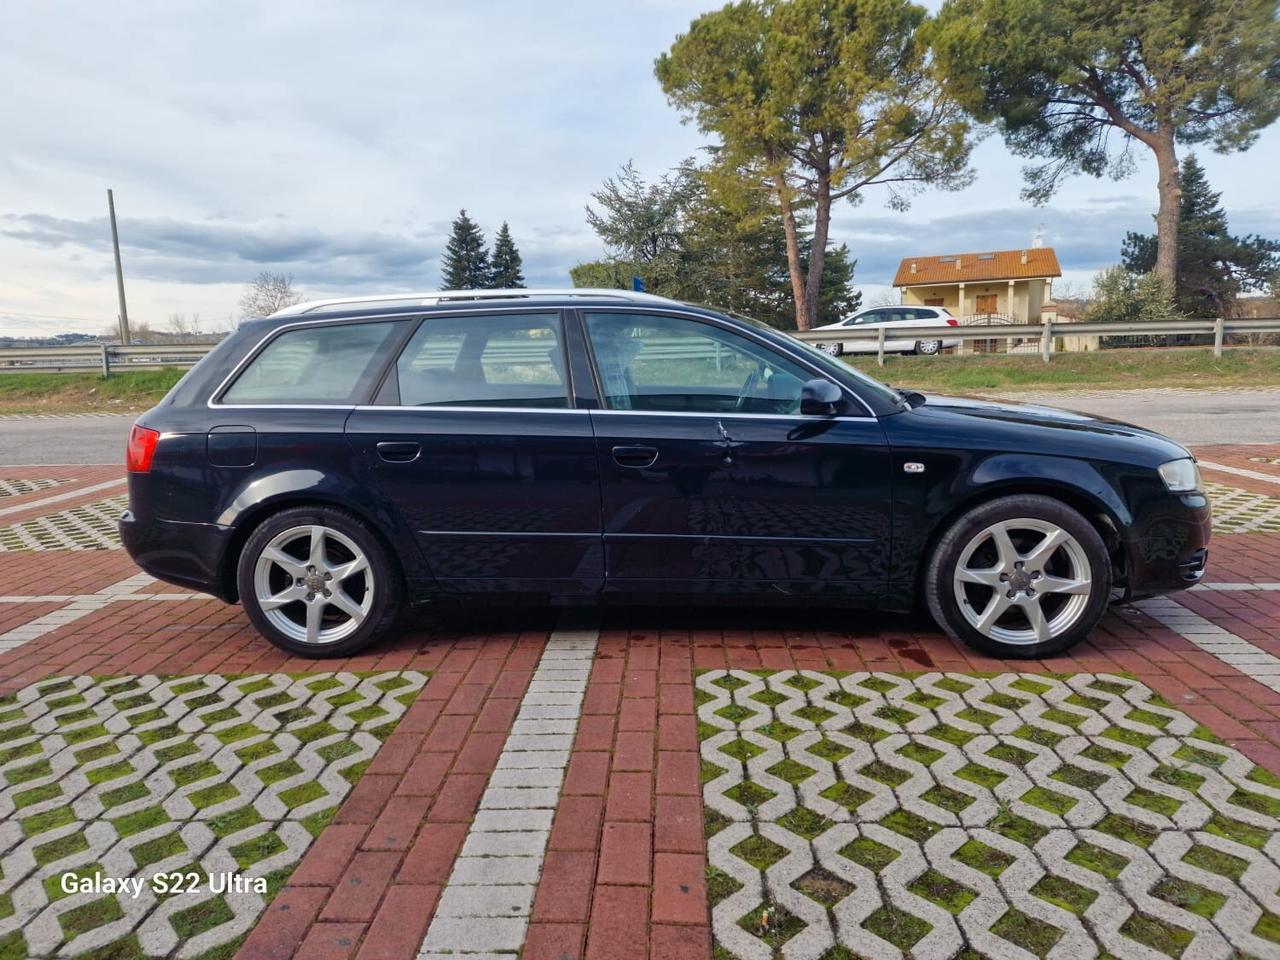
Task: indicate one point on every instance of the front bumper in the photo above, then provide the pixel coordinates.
(1168, 546)
(186, 554)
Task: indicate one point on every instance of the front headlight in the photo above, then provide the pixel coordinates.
(1180, 476)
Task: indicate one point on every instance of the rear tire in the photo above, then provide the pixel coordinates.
(928, 348)
(317, 582)
(831, 349)
(1019, 577)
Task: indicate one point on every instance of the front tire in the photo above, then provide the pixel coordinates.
(317, 582)
(832, 348)
(1019, 577)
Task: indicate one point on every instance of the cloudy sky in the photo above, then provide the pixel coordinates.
(335, 141)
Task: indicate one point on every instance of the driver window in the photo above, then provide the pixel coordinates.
(673, 364)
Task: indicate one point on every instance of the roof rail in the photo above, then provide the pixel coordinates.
(442, 296)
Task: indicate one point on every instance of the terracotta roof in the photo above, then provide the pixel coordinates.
(976, 267)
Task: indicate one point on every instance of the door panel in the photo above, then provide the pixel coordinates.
(750, 496)
(770, 503)
(496, 500)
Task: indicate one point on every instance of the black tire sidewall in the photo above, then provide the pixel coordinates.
(946, 554)
(389, 590)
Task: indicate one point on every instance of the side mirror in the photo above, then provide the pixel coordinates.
(820, 398)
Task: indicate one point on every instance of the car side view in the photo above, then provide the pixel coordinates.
(897, 323)
(340, 460)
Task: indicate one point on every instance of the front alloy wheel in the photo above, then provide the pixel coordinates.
(1022, 576)
(317, 582)
(832, 348)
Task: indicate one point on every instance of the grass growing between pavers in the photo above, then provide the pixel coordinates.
(195, 776)
(908, 800)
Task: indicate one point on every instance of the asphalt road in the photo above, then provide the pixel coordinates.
(1189, 416)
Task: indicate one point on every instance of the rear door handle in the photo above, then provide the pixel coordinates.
(394, 451)
(635, 456)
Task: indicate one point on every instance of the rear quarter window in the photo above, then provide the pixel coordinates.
(333, 363)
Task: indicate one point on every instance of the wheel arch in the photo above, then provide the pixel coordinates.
(252, 517)
(1101, 515)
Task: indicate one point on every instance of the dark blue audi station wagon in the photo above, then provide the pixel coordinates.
(332, 464)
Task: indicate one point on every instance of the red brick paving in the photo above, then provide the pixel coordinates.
(1240, 456)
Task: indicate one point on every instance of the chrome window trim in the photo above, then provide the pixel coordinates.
(729, 415)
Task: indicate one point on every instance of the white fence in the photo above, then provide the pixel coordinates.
(108, 358)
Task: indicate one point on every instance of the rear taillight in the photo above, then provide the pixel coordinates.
(142, 447)
(952, 322)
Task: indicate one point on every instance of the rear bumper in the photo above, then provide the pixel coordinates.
(1169, 549)
(186, 554)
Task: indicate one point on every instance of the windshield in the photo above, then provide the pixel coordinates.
(830, 364)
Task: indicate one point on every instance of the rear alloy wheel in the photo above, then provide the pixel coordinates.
(1023, 576)
(928, 348)
(316, 582)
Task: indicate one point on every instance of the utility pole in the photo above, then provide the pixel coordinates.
(115, 244)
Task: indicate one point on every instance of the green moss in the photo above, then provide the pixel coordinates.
(946, 798)
(1068, 718)
(729, 682)
(735, 713)
(176, 752)
(259, 848)
(54, 850)
(720, 886)
(1268, 927)
(1097, 859)
(1189, 896)
(48, 820)
(772, 923)
(846, 699)
(750, 795)
(97, 752)
(709, 771)
(1078, 777)
(332, 752)
(233, 821)
(194, 772)
(770, 698)
(864, 731)
(1033, 687)
(1130, 831)
(920, 753)
(1155, 802)
(258, 751)
(1034, 936)
(902, 929)
(829, 750)
(942, 890)
(90, 916)
(140, 820)
(28, 772)
(884, 773)
(1265, 777)
(1096, 704)
(801, 682)
(741, 749)
(303, 793)
(953, 685)
(1113, 687)
(1133, 738)
(1215, 861)
(29, 798)
(791, 771)
(279, 771)
(846, 795)
(196, 919)
(316, 822)
(777, 730)
(211, 796)
(1100, 754)
(759, 851)
(122, 795)
(910, 825)
(1004, 701)
(1247, 834)
(878, 684)
(1149, 718)
(713, 821)
(986, 859)
(927, 700)
(1064, 893)
(1017, 828)
(982, 776)
(1257, 802)
(1205, 758)
(872, 854)
(1050, 800)
(805, 822)
(161, 848)
(109, 772)
(1156, 934)
(813, 714)
(1177, 777)
(1046, 738)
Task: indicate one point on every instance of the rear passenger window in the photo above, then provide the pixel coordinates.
(334, 363)
(497, 360)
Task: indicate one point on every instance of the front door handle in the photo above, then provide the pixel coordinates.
(394, 451)
(635, 456)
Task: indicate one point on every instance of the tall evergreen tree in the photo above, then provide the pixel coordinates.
(1214, 267)
(505, 268)
(466, 259)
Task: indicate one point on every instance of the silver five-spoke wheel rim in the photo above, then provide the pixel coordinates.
(314, 584)
(1023, 581)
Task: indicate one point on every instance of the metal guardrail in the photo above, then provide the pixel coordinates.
(112, 357)
(1045, 332)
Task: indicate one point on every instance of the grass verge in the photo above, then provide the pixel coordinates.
(127, 392)
(1126, 369)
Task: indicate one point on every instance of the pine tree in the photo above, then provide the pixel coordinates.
(466, 259)
(1214, 267)
(504, 271)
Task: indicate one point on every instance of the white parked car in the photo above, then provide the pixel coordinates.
(897, 338)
